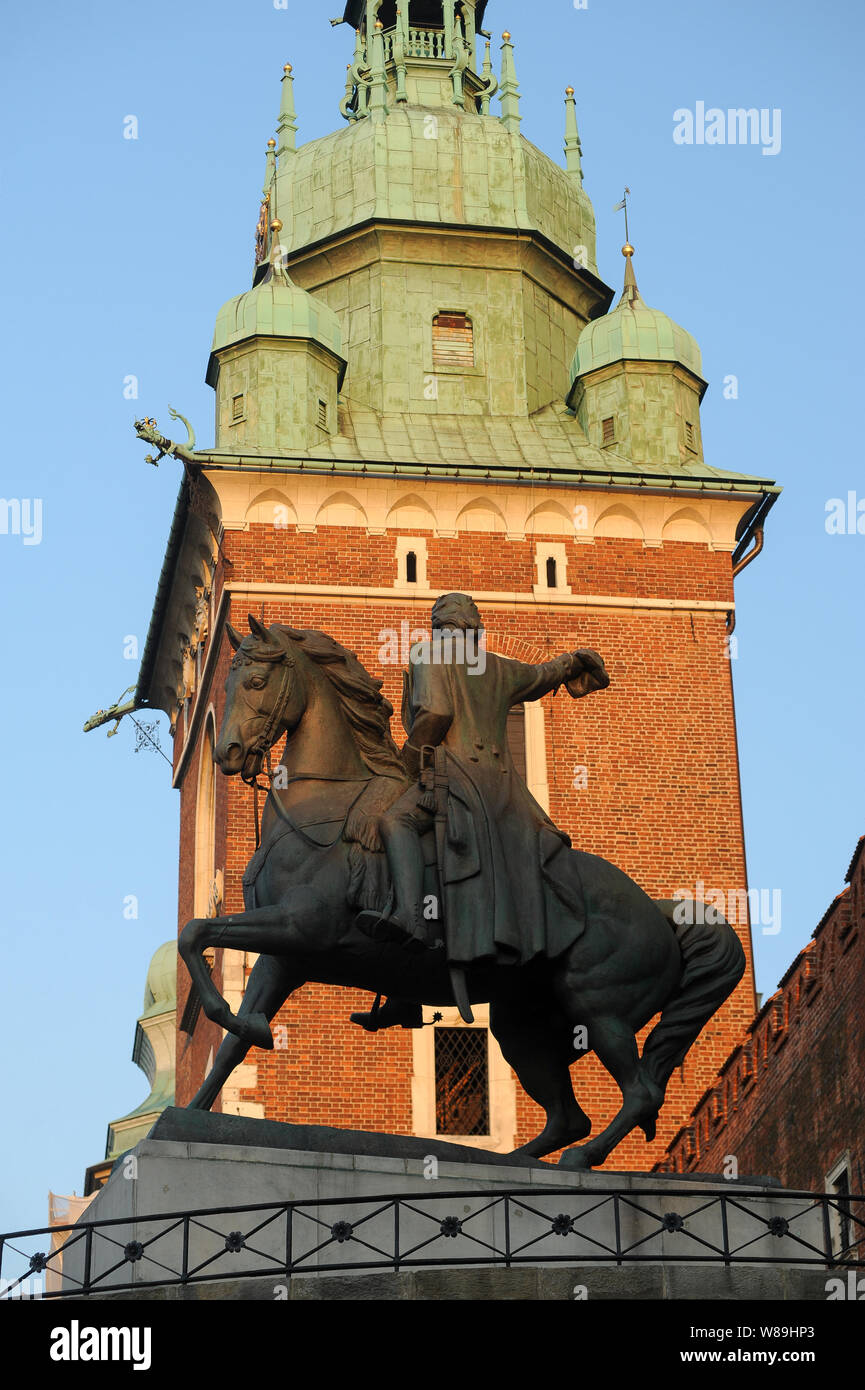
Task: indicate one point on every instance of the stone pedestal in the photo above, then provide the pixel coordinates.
(360, 1216)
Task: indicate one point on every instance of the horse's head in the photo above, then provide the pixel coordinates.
(266, 696)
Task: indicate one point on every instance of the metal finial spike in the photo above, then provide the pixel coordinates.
(573, 148)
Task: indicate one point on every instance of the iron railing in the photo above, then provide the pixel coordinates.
(398, 1232)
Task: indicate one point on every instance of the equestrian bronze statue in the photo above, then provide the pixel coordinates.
(431, 876)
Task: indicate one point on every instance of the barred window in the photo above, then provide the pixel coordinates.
(462, 1081)
(453, 341)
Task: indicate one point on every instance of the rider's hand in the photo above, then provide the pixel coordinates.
(590, 673)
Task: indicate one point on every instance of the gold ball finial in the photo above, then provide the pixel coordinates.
(276, 225)
(378, 24)
(569, 91)
(627, 249)
(506, 36)
(287, 68)
(271, 144)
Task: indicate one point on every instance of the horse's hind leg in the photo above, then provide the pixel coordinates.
(268, 987)
(539, 1055)
(613, 1042)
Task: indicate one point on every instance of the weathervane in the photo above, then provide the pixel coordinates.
(623, 207)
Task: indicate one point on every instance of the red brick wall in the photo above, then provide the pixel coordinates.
(790, 1099)
(662, 800)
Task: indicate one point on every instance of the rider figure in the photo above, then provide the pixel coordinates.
(457, 697)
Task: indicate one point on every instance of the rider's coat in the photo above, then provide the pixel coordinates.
(512, 888)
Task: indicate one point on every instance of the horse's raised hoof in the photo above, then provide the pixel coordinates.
(256, 1032)
(576, 1159)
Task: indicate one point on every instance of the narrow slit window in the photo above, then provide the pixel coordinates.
(453, 341)
(462, 1081)
(608, 428)
(516, 732)
(411, 567)
(552, 574)
(841, 1211)
(237, 408)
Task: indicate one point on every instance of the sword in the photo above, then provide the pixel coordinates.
(430, 761)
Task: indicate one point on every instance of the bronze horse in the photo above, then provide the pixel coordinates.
(319, 866)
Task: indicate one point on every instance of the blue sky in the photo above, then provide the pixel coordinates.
(116, 256)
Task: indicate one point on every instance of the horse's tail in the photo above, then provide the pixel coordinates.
(713, 964)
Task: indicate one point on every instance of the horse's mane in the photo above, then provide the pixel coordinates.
(366, 709)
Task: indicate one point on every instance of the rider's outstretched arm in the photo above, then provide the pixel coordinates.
(582, 671)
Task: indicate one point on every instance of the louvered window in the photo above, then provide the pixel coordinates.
(453, 341)
(608, 427)
(237, 408)
(462, 1081)
(322, 415)
(690, 437)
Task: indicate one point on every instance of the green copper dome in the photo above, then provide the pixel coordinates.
(160, 991)
(277, 308)
(634, 332)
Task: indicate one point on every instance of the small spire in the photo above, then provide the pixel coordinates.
(510, 88)
(286, 130)
(269, 167)
(573, 148)
(630, 294)
(491, 82)
(378, 85)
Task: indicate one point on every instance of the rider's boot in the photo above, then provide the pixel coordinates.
(403, 919)
(396, 1013)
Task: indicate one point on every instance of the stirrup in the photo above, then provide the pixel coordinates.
(396, 1015)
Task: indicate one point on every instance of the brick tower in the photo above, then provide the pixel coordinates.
(422, 391)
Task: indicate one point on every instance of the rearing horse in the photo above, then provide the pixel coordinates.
(319, 865)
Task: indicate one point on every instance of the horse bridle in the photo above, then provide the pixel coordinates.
(260, 749)
(262, 744)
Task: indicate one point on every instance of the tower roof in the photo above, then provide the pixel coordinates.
(633, 331)
(474, 173)
(276, 308)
